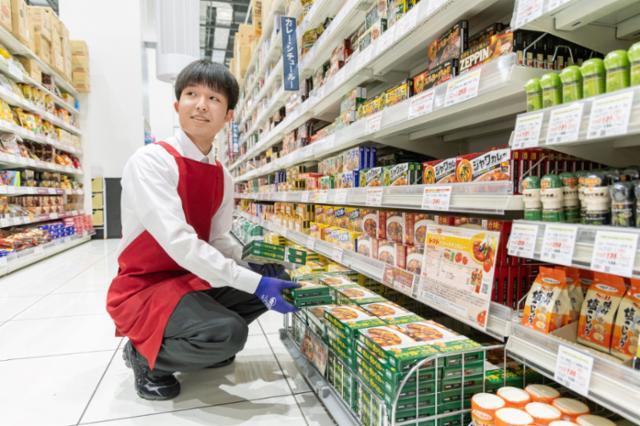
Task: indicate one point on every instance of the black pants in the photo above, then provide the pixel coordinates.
(206, 327)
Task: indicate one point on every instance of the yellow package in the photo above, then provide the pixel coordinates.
(626, 329)
(548, 304)
(575, 291)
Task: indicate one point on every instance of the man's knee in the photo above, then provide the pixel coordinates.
(237, 331)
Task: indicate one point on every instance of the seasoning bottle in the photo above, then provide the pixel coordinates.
(551, 90)
(571, 84)
(534, 94)
(618, 67)
(634, 59)
(622, 203)
(531, 198)
(552, 198)
(593, 77)
(580, 175)
(596, 199)
(570, 201)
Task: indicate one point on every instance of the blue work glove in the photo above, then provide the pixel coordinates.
(269, 291)
(268, 269)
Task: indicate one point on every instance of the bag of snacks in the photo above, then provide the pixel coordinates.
(626, 329)
(548, 305)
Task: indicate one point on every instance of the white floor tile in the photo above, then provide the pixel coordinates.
(10, 306)
(66, 305)
(263, 412)
(255, 374)
(49, 391)
(296, 381)
(55, 336)
(313, 410)
(271, 322)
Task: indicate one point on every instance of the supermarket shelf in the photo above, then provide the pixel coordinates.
(585, 240)
(334, 404)
(499, 323)
(10, 161)
(26, 190)
(618, 148)
(602, 25)
(32, 255)
(391, 52)
(5, 126)
(499, 95)
(19, 221)
(17, 48)
(275, 76)
(492, 198)
(613, 385)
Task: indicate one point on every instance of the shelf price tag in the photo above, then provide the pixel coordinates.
(305, 196)
(614, 252)
(573, 370)
(373, 123)
(340, 196)
(527, 131)
(610, 115)
(558, 244)
(462, 88)
(337, 254)
(522, 240)
(403, 281)
(564, 123)
(321, 197)
(554, 4)
(436, 198)
(421, 104)
(527, 11)
(374, 196)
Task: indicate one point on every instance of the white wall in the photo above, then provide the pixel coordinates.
(111, 115)
(163, 119)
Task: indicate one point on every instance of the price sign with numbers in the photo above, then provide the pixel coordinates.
(321, 197)
(558, 244)
(421, 104)
(528, 10)
(436, 198)
(305, 196)
(403, 281)
(614, 252)
(573, 370)
(374, 122)
(374, 196)
(337, 254)
(527, 131)
(564, 123)
(522, 240)
(340, 196)
(462, 88)
(610, 115)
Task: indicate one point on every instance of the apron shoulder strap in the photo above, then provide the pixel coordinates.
(171, 150)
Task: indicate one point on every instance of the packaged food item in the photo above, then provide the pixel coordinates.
(390, 312)
(439, 171)
(398, 93)
(626, 330)
(596, 198)
(548, 304)
(571, 83)
(492, 47)
(586, 279)
(374, 223)
(422, 220)
(543, 413)
(368, 246)
(357, 295)
(617, 66)
(551, 90)
(372, 177)
(348, 319)
(591, 420)
(354, 159)
(622, 203)
(415, 256)
(396, 226)
(552, 198)
(436, 76)
(575, 291)
(534, 94)
(531, 198)
(634, 60)
(593, 77)
(514, 397)
(494, 165)
(636, 190)
(484, 407)
(542, 393)
(570, 200)
(599, 309)
(387, 252)
(570, 408)
(449, 45)
(403, 174)
(513, 417)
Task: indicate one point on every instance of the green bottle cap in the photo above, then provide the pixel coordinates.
(532, 86)
(550, 80)
(551, 181)
(531, 182)
(569, 179)
(571, 74)
(634, 52)
(592, 66)
(616, 59)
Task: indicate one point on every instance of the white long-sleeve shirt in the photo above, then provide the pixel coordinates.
(150, 202)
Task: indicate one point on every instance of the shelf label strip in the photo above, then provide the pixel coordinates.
(610, 115)
(573, 370)
(614, 252)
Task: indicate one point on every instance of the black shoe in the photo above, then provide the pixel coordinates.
(224, 363)
(149, 385)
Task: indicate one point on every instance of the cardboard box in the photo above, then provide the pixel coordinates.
(80, 64)
(57, 60)
(19, 23)
(43, 48)
(97, 185)
(97, 200)
(32, 68)
(5, 14)
(98, 218)
(80, 81)
(79, 48)
(43, 20)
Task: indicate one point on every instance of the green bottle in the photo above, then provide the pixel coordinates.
(552, 198)
(593, 77)
(551, 90)
(531, 198)
(618, 68)
(571, 204)
(571, 83)
(634, 59)
(534, 94)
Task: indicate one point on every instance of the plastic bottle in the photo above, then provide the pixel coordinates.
(622, 203)
(531, 198)
(571, 78)
(552, 197)
(570, 201)
(593, 77)
(534, 94)
(618, 70)
(634, 59)
(551, 90)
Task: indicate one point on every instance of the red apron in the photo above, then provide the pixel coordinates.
(149, 283)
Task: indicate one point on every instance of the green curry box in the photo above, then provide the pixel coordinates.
(391, 313)
(357, 295)
(348, 319)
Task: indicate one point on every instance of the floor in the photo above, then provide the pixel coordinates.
(60, 363)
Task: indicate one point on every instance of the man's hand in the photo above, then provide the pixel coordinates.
(273, 270)
(269, 291)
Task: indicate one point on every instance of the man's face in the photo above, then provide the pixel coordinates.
(202, 111)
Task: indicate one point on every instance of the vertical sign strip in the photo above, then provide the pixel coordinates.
(290, 54)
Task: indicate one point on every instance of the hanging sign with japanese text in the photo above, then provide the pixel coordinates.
(291, 77)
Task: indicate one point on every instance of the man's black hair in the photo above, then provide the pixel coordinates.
(212, 74)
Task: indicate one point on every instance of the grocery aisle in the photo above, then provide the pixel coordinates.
(61, 364)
